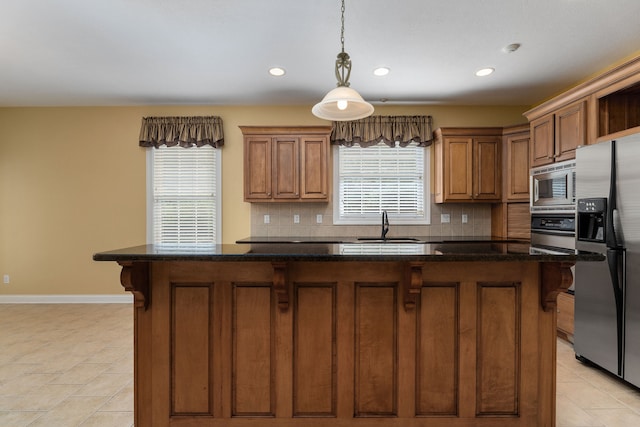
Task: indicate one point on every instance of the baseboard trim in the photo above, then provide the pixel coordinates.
(66, 299)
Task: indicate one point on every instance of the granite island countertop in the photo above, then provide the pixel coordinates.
(481, 250)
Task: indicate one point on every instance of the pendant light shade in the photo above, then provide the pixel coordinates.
(342, 103)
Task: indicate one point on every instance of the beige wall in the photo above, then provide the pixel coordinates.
(72, 183)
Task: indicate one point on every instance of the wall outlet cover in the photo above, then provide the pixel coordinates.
(445, 218)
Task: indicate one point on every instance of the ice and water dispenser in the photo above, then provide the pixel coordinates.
(592, 219)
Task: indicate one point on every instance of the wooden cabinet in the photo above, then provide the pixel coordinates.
(286, 164)
(619, 110)
(602, 108)
(349, 343)
(516, 163)
(511, 220)
(468, 165)
(565, 310)
(555, 136)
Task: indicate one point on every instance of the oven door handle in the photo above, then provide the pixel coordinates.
(553, 232)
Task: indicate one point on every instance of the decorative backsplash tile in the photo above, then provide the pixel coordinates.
(281, 221)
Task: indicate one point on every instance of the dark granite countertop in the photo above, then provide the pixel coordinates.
(389, 239)
(352, 251)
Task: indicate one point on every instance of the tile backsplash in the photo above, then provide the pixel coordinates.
(281, 221)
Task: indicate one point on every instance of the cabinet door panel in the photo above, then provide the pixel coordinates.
(314, 167)
(376, 350)
(487, 169)
(498, 349)
(253, 359)
(459, 179)
(518, 221)
(542, 144)
(285, 168)
(570, 131)
(517, 167)
(257, 166)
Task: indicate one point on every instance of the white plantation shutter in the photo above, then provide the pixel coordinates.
(185, 195)
(370, 180)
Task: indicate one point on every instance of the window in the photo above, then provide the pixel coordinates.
(370, 180)
(183, 192)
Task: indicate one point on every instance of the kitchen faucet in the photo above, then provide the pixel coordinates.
(385, 225)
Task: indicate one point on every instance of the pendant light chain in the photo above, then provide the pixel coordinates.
(343, 63)
(342, 27)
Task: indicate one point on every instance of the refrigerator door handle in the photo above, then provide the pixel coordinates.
(612, 204)
(615, 259)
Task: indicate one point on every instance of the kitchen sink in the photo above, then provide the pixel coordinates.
(389, 240)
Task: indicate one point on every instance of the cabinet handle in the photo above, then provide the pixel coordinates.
(269, 194)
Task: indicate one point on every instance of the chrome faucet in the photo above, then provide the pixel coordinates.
(385, 225)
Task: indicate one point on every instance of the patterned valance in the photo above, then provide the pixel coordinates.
(183, 131)
(391, 130)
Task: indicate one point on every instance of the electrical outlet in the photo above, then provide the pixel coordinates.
(465, 218)
(319, 219)
(267, 219)
(445, 218)
(5, 279)
(296, 219)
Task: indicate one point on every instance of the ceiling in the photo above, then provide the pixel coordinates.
(217, 52)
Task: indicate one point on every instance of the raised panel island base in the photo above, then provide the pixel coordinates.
(296, 340)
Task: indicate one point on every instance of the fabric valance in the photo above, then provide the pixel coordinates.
(391, 130)
(183, 131)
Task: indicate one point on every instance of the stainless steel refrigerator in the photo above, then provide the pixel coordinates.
(607, 294)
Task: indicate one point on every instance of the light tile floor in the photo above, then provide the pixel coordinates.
(66, 365)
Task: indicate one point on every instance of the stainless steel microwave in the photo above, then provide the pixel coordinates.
(553, 188)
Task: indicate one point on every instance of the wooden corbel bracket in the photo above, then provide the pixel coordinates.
(556, 278)
(413, 285)
(135, 279)
(281, 284)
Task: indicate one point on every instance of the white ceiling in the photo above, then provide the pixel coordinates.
(217, 52)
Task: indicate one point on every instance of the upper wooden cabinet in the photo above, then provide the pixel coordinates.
(515, 142)
(555, 136)
(602, 108)
(286, 164)
(468, 164)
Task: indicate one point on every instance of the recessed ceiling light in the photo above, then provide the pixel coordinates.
(277, 71)
(381, 71)
(484, 72)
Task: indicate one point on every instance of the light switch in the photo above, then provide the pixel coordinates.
(445, 218)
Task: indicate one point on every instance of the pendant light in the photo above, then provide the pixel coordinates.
(342, 103)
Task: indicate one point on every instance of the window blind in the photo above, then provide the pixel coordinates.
(185, 195)
(379, 178)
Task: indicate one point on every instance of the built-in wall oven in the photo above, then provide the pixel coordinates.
(553, 208)
(553, 188)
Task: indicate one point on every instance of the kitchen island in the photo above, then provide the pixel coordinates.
(345, 334)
